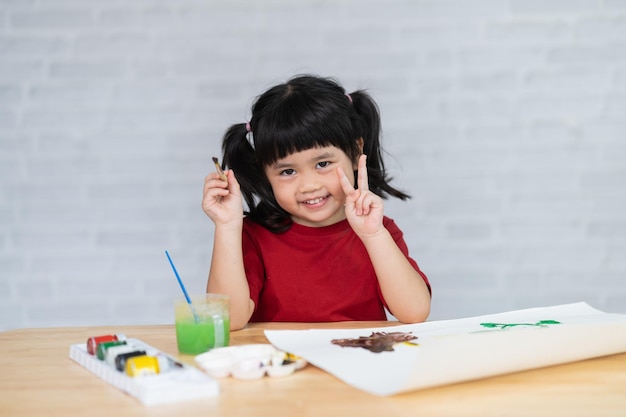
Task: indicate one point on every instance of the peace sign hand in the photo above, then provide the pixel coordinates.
(364, 209)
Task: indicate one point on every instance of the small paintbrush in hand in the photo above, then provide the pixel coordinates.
(219, 169)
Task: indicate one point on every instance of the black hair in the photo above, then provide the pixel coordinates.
(303, 113)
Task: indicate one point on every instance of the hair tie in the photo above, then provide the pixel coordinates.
(249, 135)
(349, 98)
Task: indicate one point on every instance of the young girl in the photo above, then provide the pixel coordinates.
(311, 247)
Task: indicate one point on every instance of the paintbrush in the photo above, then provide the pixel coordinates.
(219, 169)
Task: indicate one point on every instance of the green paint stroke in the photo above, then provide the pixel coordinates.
(542, 323)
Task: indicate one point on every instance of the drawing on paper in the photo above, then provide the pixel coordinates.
(503, 326)
(378, 341)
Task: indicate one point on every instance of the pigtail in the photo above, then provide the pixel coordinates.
(240, 156)
(368, 122)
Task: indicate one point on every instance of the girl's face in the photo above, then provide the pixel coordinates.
(306, 185)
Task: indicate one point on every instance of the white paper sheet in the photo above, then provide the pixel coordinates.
(459, 350)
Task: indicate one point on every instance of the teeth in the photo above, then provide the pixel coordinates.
(317, 200)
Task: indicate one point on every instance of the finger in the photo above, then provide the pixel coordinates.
(362, 182)
(217, 192)
(213, 197)
(214, 178)
(360, 204)
(233, 184)
(347, 187)
(366, 203)
(212, 182)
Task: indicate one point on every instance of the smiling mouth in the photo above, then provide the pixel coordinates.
(314, 201)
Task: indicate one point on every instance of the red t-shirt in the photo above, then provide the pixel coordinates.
(314, 274)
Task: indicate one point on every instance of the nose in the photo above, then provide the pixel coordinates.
(309, 182)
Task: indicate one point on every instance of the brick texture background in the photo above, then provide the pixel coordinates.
(504, 119)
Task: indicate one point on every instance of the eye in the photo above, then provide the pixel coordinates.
(323, 164)
(287, 172)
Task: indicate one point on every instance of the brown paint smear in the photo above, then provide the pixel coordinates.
(376, 342)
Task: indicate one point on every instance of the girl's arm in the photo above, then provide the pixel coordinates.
(222, 202)
(403, 288)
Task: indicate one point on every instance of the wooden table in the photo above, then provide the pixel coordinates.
(37, 378)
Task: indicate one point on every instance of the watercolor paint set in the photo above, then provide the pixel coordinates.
(142, 371)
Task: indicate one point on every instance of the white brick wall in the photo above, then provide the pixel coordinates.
(504, 119)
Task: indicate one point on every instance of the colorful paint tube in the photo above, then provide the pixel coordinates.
(120, 360)
(93, 342)
(102, 347)
(142, 366)
(114, 351)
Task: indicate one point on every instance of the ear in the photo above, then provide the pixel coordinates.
(360, 143)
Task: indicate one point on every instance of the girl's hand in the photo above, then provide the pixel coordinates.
(222, 200)
(364, 209)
